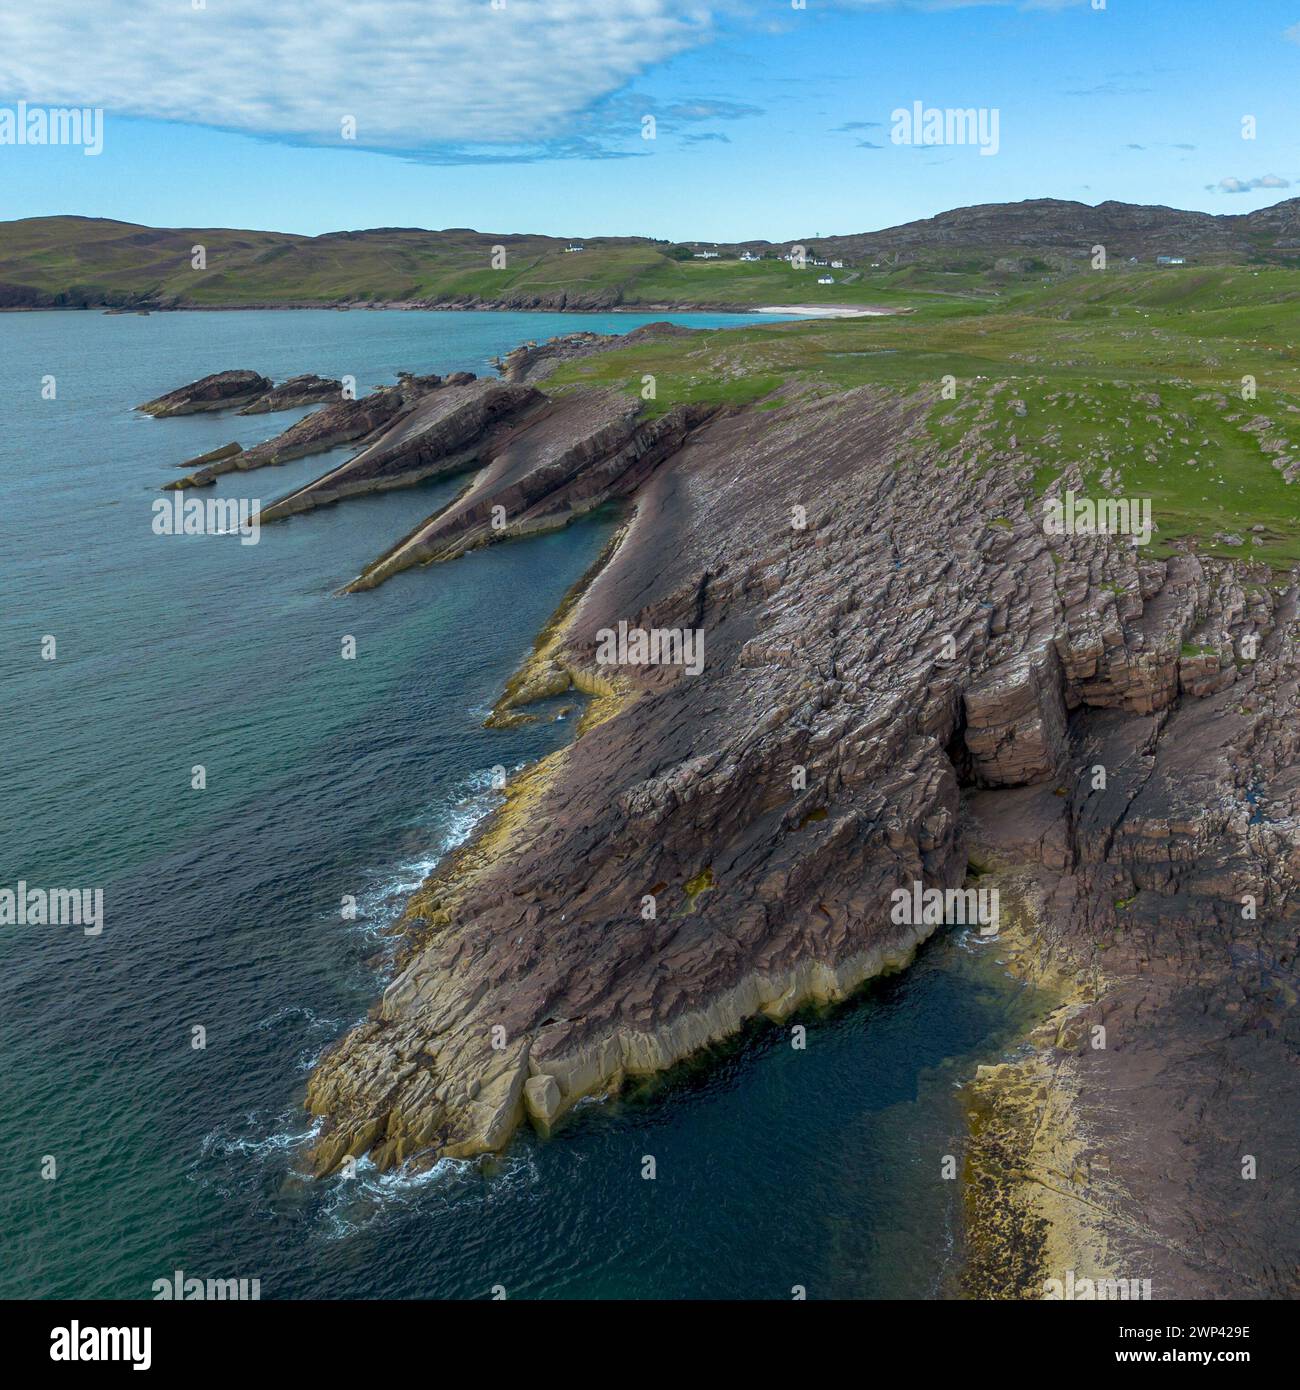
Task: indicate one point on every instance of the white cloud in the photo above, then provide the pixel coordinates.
(413, 73)
(417, 75)
(1234, 185)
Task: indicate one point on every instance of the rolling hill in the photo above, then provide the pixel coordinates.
(78, 262)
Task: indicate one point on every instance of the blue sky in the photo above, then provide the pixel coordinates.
(771, 120)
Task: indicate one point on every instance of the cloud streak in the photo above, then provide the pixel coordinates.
(1234, 185)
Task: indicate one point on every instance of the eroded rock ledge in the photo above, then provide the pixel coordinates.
(865, 678)
(344, 421)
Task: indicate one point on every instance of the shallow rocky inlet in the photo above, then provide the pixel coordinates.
(917, 684)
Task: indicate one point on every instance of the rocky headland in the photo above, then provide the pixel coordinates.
(905, 679)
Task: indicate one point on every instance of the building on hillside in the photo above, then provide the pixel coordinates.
(837, 265)
(570, 248)
(706, 255)
(749, 256)
(825, 279)
(1171, 260)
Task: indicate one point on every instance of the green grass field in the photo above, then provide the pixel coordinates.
(1132, 377)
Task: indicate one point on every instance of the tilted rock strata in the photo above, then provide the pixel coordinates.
(220, 391)
(297, 391)
(859, 673)
(344, 422)
(219, 455)
(446, 432)
(533, 362)
(563, 461)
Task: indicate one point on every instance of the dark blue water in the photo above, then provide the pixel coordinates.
(327, 778)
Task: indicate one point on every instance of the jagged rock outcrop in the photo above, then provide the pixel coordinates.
(308, 389)
(564, 460)
(220, 391)
(344, 422)
(533, 362)
(448, 431)
(218, 455)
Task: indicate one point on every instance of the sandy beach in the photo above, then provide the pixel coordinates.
(826, 311)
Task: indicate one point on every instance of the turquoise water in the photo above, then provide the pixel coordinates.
(325, 778)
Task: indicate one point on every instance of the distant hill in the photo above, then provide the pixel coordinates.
(1056, 228)
(88, 262)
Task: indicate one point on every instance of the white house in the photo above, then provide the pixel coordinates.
(706, 255)
(1171, 260)
(749, 256)
(825, 279)
(568, 249)
(837, 265)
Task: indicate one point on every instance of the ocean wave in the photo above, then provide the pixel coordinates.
(299, 1013)
(221, 1142)
(382, 901)
(262, 1139)
(353, 1205)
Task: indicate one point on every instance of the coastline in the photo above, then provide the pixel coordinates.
(830, 311)
(343, 306)
(1013, 1228)
(535, 976)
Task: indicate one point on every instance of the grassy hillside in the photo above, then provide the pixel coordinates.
(77, 261)
(1131, 377)
(992, 250)
(73, 261)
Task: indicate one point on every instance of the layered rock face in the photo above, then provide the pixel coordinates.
(220, 391)
(890, 686)
(344, 422)
(307, 389)
(558, 464)
(533, 362)
(445, 431)
(248, 392)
